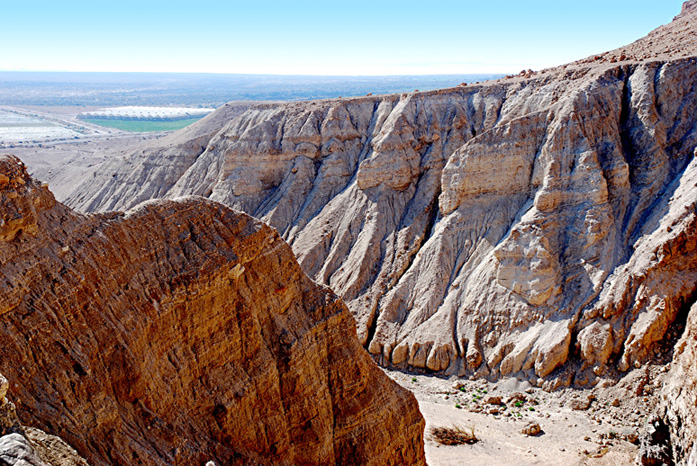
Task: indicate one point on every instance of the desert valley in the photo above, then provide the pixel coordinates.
(501, 272)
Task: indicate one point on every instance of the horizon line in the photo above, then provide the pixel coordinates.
(260, 74)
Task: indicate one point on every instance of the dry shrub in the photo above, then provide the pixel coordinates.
(455, 435)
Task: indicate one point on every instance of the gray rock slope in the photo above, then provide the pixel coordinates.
(526, 226)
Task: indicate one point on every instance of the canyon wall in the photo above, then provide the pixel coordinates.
(542, 226)
(496, 229)
(183, 332)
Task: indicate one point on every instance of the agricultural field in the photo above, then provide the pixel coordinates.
(144, 126)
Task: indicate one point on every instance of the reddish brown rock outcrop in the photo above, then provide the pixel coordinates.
(182, 332)
(28, 446)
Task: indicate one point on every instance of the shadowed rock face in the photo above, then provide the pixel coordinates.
(518, 227)
(182, 332)
(677, 412)
(27, 446)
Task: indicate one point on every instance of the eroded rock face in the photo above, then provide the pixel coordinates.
(495, 229)
(677, 412)
(182, 332)
(26, 446)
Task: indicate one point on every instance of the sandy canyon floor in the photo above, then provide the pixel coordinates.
(596, 427)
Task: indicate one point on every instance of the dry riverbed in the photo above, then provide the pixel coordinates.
(596, 427)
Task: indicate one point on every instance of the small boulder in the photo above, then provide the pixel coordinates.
(16, 450)
(582, 404)
(517, 396)
(532, 429)
(631, 437)
(493, 400)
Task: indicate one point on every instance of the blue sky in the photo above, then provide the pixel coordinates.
(311, 37)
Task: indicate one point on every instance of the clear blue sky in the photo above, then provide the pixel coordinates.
(353, 37)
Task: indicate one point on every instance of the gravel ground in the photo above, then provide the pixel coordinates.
(597, 426)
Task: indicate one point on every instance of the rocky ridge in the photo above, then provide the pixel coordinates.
(539, 226)
(676, 39)
(183, 332)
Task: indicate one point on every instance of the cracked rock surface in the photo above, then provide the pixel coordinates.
(182, 332)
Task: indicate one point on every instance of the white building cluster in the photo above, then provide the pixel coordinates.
(146, 113)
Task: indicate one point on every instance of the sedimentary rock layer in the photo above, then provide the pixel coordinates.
(497, 229)
(27, 446)
(182, 332)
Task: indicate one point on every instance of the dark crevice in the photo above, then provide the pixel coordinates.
(499, 110)
(372, 326)
(655, 444)
(627, 152)
(677, 327)
(367, 146)
(433, 218)
(78, 369)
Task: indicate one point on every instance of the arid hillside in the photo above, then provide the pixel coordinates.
(183, 332)
(540, 226)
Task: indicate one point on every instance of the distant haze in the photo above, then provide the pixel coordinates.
(201, 90)
(318, 38)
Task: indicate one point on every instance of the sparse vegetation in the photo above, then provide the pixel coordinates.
(455, 435)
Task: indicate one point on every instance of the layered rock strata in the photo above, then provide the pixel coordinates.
(183, 332)
(521, 227)
(26, 446)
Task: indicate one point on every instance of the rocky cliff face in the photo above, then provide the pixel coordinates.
(531, 226)
(26, 446)
(670, 434)
(182, 332)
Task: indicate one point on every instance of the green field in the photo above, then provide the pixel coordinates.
(144, 126)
